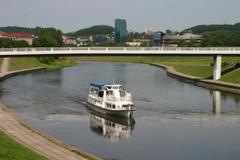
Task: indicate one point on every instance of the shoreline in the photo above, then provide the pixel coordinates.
(21, 132)
(209, 84)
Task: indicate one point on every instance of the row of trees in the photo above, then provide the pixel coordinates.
(8, 43)
(48, 37)
(213, 36)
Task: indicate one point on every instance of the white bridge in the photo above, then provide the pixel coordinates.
(78, 51)
(216, 52)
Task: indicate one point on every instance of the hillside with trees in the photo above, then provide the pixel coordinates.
(226, 35)
(201, 29)
(94, 30)
(17, 29)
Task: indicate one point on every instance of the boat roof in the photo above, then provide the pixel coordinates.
(101, 85)
(97, 84)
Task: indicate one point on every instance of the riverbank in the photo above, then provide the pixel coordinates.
(200, 66)
(31, 62)
(210, 84)
(26, 137)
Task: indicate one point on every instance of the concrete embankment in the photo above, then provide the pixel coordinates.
(6, 75)
(41, 143)
(210, 84)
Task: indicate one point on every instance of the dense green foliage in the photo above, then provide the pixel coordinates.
(226, 35)
(49, 37)
(47, 60)
(200, 29)
(10, 150)
(34, 31)
(8, 43)
(135, 35)
(94, 30)
(221, 38)
(191, 43)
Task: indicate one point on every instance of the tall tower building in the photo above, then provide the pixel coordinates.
(120, 31)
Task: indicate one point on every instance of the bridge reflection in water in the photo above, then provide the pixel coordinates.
(217, 102)
(113, 128)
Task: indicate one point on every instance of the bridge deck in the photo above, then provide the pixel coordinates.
(78, 51)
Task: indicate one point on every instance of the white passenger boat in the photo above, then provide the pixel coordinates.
(110, 99)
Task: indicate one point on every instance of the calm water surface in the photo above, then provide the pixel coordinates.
(173, 120)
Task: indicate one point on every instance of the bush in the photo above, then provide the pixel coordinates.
(47, 60)
(237, 65)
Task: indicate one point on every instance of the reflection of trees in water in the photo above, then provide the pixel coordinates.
(2, 90)
(112, 128)
(234, 97)
(49, 77)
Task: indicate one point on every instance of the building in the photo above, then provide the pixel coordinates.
(158, 38)
(148, 31)
(68, 41)
(134, 44)
(120, 31)
(19, 37)
(174, 40)
(99, 39)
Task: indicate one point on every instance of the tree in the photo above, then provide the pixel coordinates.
(49, 37)
(221, 39)
(8, 43)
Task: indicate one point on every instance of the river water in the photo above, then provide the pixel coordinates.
(173, 120)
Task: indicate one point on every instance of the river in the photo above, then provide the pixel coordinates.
(173, 120)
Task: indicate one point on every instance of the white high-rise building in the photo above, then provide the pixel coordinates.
(148, 31)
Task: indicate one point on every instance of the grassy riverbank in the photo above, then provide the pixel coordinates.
(11, 150)
(30, 62)
(191, 65)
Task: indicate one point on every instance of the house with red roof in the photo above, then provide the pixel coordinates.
(19, 36)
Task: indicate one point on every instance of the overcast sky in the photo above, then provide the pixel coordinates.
(71, 15)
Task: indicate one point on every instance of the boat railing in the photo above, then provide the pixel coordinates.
(112, 98)
(126, 98)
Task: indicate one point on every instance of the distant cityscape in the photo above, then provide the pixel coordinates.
(120, 36)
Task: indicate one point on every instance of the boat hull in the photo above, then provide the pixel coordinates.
(120, 113)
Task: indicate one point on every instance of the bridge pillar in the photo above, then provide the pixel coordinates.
(217, 64)
(5, 65)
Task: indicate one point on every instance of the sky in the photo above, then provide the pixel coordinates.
(72, 15)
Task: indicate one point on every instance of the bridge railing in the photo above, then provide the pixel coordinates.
(122, 49)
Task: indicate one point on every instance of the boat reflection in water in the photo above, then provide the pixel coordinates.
(113, 128)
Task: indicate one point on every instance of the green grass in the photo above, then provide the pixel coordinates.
(233, 76)
(198, 71)
(24, 63)
(30, 62)
(10, 150)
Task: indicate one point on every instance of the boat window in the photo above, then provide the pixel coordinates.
(113, 106)
(115, 87)
(100, 94)
(109, 93)
(122, 91)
